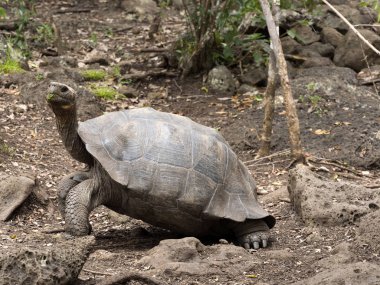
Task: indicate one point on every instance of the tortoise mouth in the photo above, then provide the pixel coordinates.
(60, 94)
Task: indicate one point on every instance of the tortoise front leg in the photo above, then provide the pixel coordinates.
(80, 201)
(66, 184)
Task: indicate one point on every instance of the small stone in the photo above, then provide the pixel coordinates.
(223, 241)
(128, 91)
(21, 108)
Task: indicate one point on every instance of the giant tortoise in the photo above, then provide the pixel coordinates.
(162, 168)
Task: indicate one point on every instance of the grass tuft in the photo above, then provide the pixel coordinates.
(10, 66)
(106, 92)
(93, 74)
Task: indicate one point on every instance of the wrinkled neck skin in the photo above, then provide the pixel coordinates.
(67, 124)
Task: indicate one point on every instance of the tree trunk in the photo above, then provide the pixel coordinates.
(268, 107)
(290, 108)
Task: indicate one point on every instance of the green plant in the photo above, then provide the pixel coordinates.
(39, 76)
(6, 149)
(94, 38)
(116, 72)
(10, 65)
(45, 33)
(105, 92)
(93, 74)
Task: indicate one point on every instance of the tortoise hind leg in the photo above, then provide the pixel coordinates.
(80, 201)
(252, 233)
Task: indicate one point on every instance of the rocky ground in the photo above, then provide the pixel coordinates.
(326, 231)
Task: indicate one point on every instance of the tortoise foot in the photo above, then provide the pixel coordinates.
(252, 234)
(254, 240)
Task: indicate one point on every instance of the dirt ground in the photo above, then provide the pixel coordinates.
(30, 146)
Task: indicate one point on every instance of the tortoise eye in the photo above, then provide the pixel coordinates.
(64, 89)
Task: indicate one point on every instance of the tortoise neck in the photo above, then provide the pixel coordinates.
(67, 125)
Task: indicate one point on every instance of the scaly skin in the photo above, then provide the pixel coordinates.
(66, 184)
(80, 201)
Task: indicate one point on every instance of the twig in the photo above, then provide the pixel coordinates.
(179, 87)
(351, 27)
(325, 162)
(374, 186)
(151, 50)
(268, 163)
(129, 276)
(97, 272)
(367, 25)
(279, 153)
(73, 10)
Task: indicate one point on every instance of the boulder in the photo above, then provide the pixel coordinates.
(254, 75)
(221, 79)
(189, 256)
(141, 7)
(354, 53)
(13, 192)
(48, 264)
(305, 35)
(316, 61)
(368, 232)
(332, 36)
(360, 273)
(321, 201)
(353, 15)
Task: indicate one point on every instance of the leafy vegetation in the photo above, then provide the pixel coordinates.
(6, 149)
(10, 65)
(94, 74)
(105, 92)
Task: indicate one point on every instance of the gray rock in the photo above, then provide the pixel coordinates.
(289, 45)
(190, 256)
(220, 79)
(128, 91)
(326, 50)
(320, 201)
(245, 88)
(56, 264)
(13, 192)
(353, 15)
(360, 273)
(316, 61)
(332, 36)
(351, 52)
(369, 75)
(254, 76)
(142, 7)
(340, 255)
(340, 74)
(368, 231)
(305, 35)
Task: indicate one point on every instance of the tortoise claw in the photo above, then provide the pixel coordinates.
(254, 240)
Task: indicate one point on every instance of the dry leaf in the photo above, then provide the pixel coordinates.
(321, 132)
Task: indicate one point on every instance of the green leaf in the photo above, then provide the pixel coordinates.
(291, 33)
(3, 13)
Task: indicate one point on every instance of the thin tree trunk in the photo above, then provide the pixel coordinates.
(290, 108)
(269, 95)
(268, 107)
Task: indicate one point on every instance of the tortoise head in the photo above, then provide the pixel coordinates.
(60, 95)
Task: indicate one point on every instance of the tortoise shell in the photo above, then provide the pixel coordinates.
(173, 170)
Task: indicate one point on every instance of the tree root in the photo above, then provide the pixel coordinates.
(129, 276)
